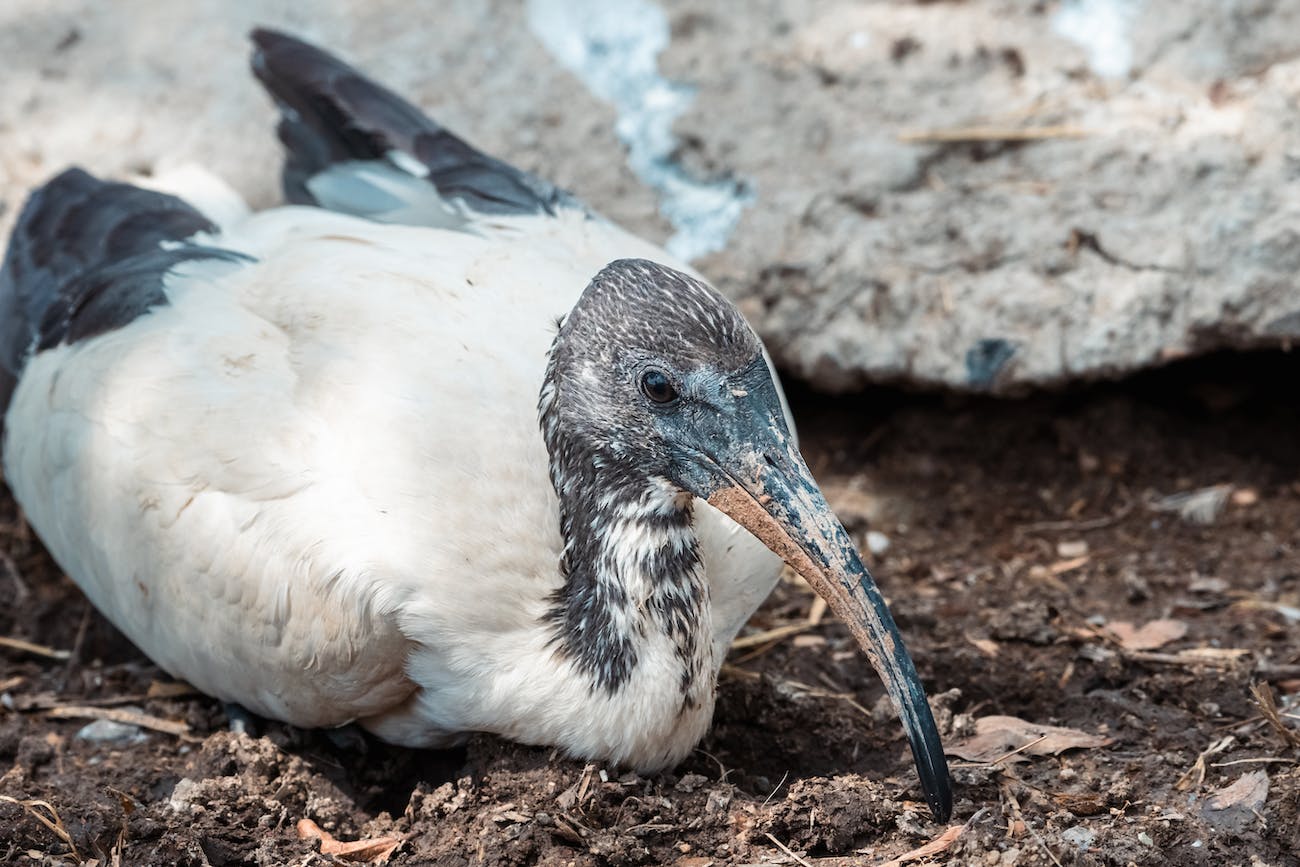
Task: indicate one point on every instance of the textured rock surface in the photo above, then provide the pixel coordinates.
(1171, 226)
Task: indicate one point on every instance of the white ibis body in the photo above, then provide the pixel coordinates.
(297, 459)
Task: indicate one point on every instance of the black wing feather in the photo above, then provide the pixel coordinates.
(330, 113)
(87, 257)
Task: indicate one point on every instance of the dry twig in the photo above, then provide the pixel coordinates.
(128, 807)
(34, 649)
(786, 850)
(1210, 657)
(772, 635)
(1005, 787)
(1020, 749)
(376, 851)
(1195, 775)
(117, 715)
(960, 135)
(810, 691)
(1091, 524)
(1262, 760)
(1262, 693)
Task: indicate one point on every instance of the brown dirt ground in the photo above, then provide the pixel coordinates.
(984, 503)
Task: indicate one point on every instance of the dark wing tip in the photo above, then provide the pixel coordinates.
(285, 63)
(265, 38)
(331, 113)
(275, 47)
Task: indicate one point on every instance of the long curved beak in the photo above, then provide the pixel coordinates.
(766, 487)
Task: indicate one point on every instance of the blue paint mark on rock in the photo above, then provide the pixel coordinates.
(614, 46)
(985, 360)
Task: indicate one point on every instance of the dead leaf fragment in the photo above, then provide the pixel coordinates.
(375, 851)
(997, 737)
(939, 844)
(1237, 805)
(986, 646)
(1249, 790)
(1150, 636)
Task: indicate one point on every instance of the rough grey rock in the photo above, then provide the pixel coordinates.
(1171, 227)
(1168, 228)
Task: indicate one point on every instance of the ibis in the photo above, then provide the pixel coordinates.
(434, 448)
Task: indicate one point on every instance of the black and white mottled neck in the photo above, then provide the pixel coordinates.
(634, 600)
(631, 567)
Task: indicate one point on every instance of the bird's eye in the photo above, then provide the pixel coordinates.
(656, 386)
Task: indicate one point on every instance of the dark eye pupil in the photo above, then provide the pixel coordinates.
(656, 386)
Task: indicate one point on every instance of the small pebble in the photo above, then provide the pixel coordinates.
(1079, 837)
(691, 782)
(877, 542)
(107, 731)
(184, 793)
(1071, 549)
(1245, 497)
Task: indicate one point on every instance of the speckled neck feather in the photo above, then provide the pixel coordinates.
(631, 562)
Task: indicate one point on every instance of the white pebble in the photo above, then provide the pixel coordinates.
(1079, 837)
(184, 793)
(107, 731)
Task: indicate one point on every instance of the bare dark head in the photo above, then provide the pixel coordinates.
(655, 377)
(645, 349)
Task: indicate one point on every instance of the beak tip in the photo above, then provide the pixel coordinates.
(938, 794)
(928, 754)
(936, 782)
